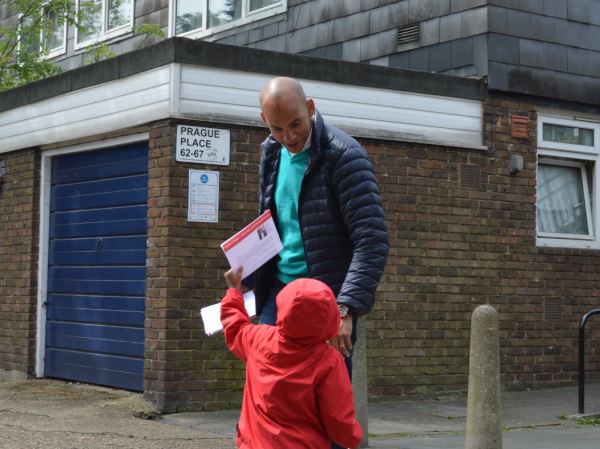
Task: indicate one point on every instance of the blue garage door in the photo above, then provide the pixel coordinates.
(97, 267)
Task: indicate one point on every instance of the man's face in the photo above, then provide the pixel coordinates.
(289, 120)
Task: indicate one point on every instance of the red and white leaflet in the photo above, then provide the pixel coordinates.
(254, 245)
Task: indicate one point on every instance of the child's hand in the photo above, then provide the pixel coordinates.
(234, 280)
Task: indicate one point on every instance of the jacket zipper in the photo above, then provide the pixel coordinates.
(308, 170)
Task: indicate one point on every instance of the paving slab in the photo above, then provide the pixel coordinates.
(554, 439)
(539, 408)
(220, 423)
(442, 424)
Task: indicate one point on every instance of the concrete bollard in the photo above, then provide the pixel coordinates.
(359, 379)
(484, 416)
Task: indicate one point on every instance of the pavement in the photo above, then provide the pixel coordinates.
(55, 414)
(531, 420)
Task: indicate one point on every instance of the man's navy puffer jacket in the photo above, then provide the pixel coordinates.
(341, 218)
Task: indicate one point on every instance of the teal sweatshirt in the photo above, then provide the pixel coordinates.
(292, 262)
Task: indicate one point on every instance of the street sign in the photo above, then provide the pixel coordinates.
(203, 145)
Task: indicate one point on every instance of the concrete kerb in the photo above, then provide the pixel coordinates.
(583, 416)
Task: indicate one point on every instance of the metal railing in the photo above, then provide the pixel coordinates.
(582, 359)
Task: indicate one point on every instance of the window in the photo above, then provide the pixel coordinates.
(198, 18)
(563, 199)
(568, 134)
(54, 39)
(567, 182)
(103, 19)
(53, 34)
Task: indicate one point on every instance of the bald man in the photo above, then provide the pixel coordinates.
(320, 187)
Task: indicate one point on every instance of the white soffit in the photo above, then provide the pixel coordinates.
(232, 97)
(227, 96)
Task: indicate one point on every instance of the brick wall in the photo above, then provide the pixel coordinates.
(452, 249)
(184, 369)
(19, 234)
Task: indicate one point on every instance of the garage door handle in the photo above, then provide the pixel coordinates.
(99, 245)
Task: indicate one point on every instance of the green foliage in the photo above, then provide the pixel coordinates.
(584, 422)
(387, 436)
(31, 67)
(36, 27)
(505, 429)
(562, 416)
(96, 53)
(149, 29)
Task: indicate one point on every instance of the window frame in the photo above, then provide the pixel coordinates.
(568, 146)
(60, 50)
(576, 156)
(57, 51)
(105, 34)
(586, 196)
(247, 17)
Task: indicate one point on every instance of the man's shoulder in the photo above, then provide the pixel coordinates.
(338, 143)
(338, 139)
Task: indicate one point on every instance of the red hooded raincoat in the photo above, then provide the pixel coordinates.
(298, 394)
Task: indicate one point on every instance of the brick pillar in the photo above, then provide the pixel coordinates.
(522, 329)
(19, 238)
(184, 369)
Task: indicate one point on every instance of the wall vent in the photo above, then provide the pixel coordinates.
(469, 177)
(519, 127)
(408, 33)
(553, 310)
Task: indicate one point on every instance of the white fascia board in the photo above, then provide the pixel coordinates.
(120, 104)
(227, 96)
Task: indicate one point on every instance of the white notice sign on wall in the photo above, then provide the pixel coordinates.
(203, 201)
(203, 145)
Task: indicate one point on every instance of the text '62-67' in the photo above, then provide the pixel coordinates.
(203, 145)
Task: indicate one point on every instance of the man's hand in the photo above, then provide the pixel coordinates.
(341, 341)
(234, 280)
(245, 289)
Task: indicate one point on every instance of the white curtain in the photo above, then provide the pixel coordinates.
(561, 202)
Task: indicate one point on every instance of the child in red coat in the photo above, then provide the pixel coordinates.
(298, 394)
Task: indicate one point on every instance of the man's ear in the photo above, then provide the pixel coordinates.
(262, 116)
(310, 104)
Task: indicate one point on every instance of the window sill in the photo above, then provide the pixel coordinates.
(56, 53)
(105, 37)
(542, 242)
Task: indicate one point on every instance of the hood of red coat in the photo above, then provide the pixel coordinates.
(307, 312)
